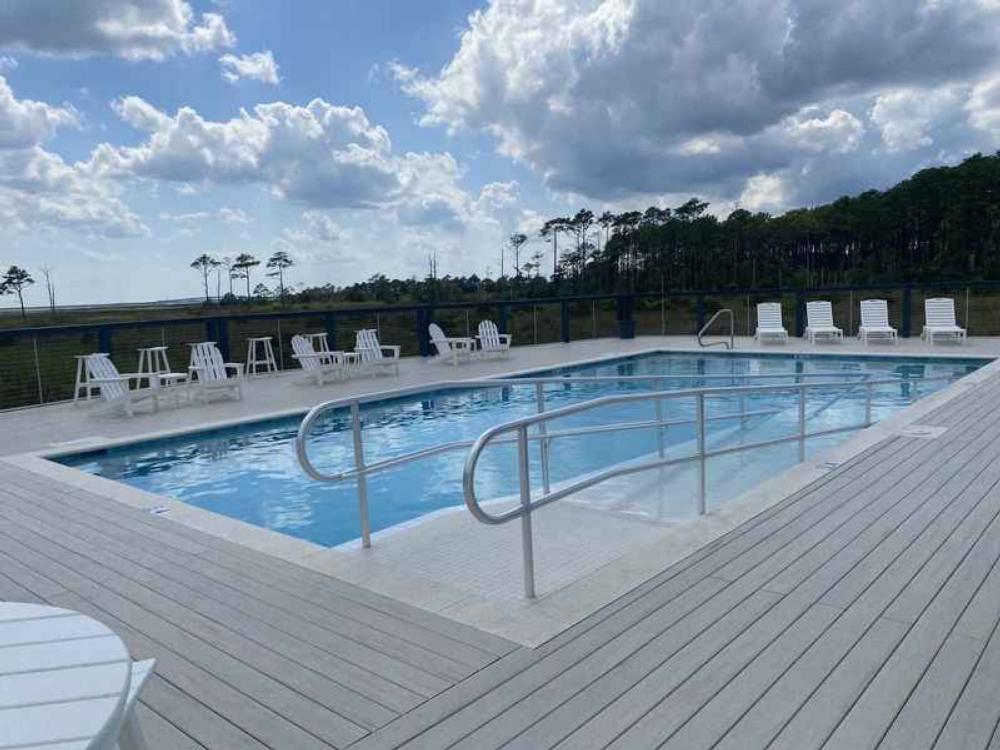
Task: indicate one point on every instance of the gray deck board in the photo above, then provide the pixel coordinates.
(862, 611)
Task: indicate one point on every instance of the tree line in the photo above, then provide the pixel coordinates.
(240, 268)
(941, 224)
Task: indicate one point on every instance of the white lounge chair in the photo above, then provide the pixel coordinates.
(939, 321)
(819, 322)
(212, 374)
(116, 387)
(875, 322)
(318, 364)
(374, 356)
(769, 323)
(491, 341)
(454, 348)
(130, 736)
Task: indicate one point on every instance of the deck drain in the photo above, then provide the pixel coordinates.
(829, 465)
(927, 432)
(158, 510)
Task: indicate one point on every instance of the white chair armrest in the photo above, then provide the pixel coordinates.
(393, 350)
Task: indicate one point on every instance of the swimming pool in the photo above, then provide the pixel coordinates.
(250, 472)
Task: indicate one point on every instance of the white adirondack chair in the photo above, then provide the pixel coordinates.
(454, 348)
(769, 323)
(939, 321)
(372, 355)
(819, 322)
(317, 364)
(875, 322)
(491, 341)
(116, 387)
(212, 374)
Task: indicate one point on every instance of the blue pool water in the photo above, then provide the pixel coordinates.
(250, 472)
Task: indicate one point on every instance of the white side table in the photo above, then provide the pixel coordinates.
(64, 681)
(83, 385)
(260, 353)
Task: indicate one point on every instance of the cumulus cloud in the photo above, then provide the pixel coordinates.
(258, 66)
(38, 189)
(616, 98)
(320, 154)
(131, 29)
(25, 123)
(983, 107)
(905, 117)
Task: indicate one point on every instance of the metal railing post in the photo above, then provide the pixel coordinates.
(802, 423)
(527, 543)
(38, 373)
(700, 413)
(564, 322)
(359, 464)
(543, 445)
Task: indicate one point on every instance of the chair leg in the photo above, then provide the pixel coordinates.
(131, 737)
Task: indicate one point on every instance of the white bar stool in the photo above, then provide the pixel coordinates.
(152, 363)
(260, 353)
(83, 385)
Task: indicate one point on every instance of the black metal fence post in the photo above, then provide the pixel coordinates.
(700, 313)
(800, 313)
(423, 337)
(626, 323)
(503, 322)
(907, 312)
(564, 321)
(104, 342)
(330, 324)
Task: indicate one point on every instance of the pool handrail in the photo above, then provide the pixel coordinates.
(527, 504)
(731, 344)
(361, 469)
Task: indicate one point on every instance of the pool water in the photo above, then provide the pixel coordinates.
(250, 472)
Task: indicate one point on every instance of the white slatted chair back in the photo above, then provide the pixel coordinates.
(939, 312)
(209, 362)
(819, 314)
(100, 367)
(769, 316)
(439, 340)
(489, 336)
(304, 349)
(874, 313)
(367, 345)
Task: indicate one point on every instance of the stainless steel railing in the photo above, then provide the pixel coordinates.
(731, 344)
(361, 468)
(520, 428)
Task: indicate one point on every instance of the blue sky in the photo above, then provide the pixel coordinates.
(362, 136)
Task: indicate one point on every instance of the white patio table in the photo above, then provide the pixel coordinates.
(64, 679)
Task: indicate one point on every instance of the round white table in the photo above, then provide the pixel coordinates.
(64, 679)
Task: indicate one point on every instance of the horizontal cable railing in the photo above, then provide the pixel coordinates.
(37, 361)
(362, 468)
(520, 428)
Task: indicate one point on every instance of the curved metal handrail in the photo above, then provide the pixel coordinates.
(362, 469)
(731, 344)
(521, 426)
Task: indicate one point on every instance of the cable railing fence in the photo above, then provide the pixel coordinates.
(37, 364)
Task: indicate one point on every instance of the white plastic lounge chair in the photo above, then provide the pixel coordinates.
(317, 364)
(212, 374)
(819, 322)
(769, 323)
(875, 322)
(454, 348)
(115, 387)
(939, 321)
(130, 737)
(372, 355)
(491, 341)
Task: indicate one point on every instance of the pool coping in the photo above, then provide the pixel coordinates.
(533, 622)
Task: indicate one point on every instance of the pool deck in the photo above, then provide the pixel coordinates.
(861, 610)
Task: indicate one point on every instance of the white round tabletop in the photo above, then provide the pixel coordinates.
(64, 678)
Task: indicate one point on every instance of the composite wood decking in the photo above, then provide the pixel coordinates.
(860, 612)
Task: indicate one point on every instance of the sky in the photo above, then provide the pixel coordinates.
(361, 136)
